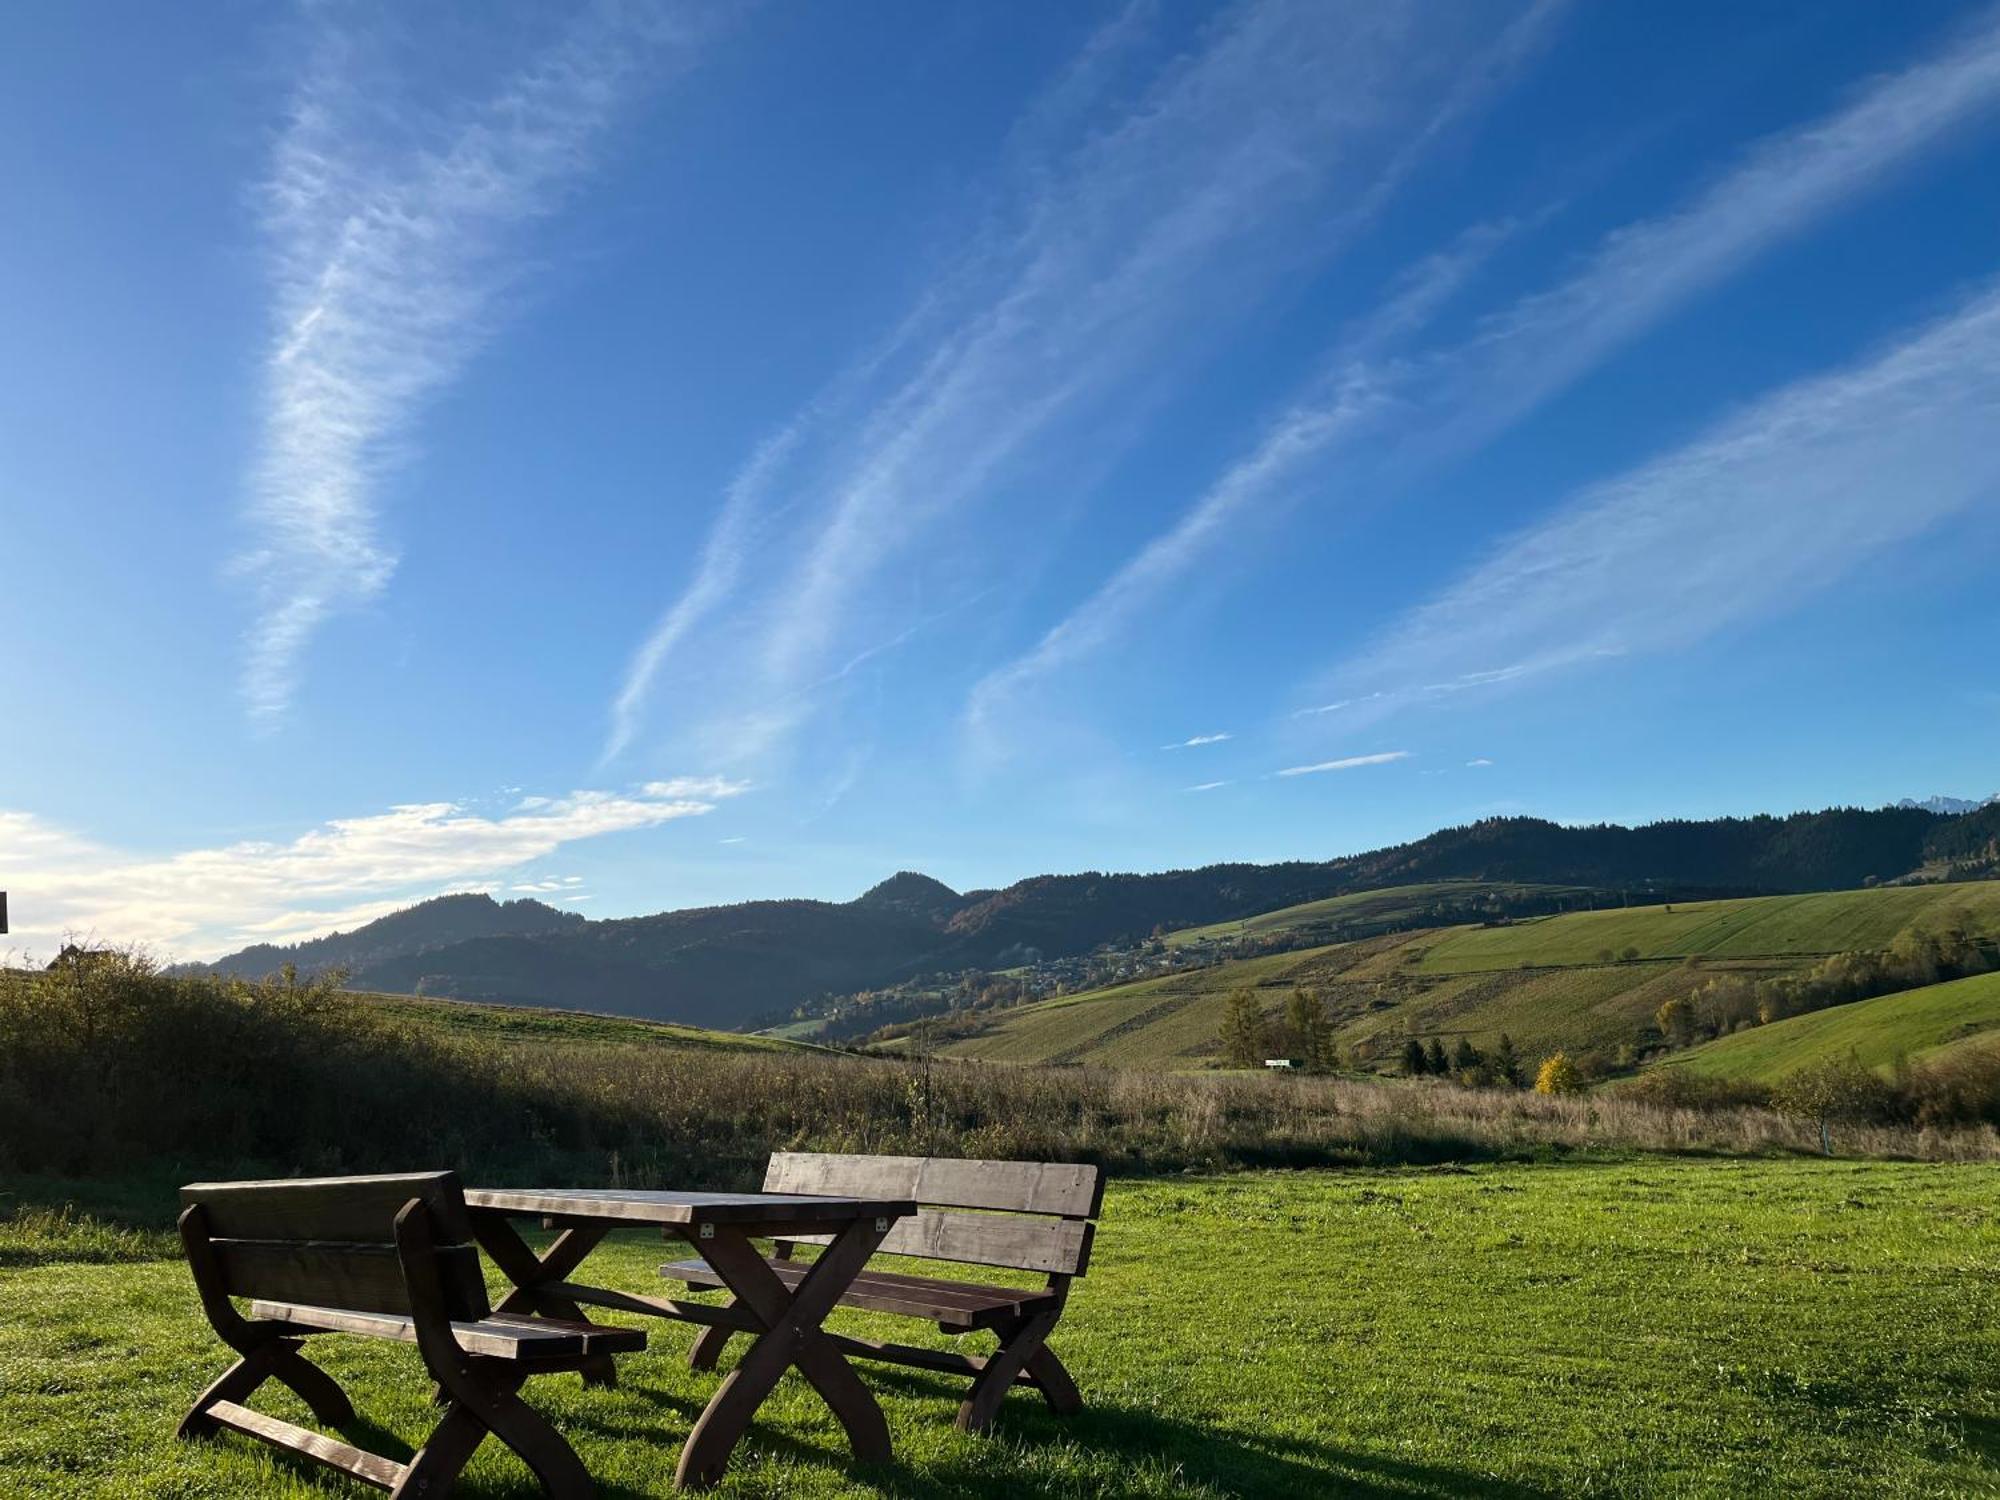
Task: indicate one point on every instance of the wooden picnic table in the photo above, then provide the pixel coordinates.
(784, 1319)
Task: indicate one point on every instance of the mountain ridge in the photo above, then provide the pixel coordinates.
(753, 960)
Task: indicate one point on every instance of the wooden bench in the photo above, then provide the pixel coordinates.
(1026, 1216)
(388, 1258)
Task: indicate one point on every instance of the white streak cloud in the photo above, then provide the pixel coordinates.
(1753, 518)
(1346, 763)
(1430, 409)
(1270, 142)
(1199, 740)
(390, 238)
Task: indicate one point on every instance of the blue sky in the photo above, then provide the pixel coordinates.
(646, 456)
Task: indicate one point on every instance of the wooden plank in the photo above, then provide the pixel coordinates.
(371, 1467)
(651, 1307)
(365, 1278)
(1058, 1246)
(501, 1337)
(358, 1210)
(1068, 1190)
(749, 1210)
(960, 1304)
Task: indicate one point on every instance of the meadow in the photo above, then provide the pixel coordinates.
(1586, 980)
(1916, 1026)
(1623, 1327)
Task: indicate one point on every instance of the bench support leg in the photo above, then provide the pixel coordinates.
(708, 1347)
(1020, 1343)
(530, 1274)
(278, 1360)
(792, 1336)
(483, 1403)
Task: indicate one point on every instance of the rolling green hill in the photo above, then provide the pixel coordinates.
(1916, 1024)
(1394, 906)
(1542, 981)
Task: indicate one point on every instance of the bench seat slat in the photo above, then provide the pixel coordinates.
(958, 1304)
(501, 1336)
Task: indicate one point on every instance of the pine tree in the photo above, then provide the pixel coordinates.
(1465, 1057)
(1242, 1030)
(1507, 1062)
(1415, 1064)
(1435, 1059)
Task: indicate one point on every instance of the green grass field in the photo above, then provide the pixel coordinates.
(1760, 927)
(532, 1024)
(1919, 1025)
(1391, 904)
(1649, 1328)
(1541, 980)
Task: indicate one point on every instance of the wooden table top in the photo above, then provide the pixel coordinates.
(668, 1206)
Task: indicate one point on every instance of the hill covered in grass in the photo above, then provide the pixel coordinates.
(1921, 1025)
(756, 962)
(1583, 980)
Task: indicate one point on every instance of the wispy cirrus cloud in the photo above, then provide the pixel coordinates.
(1140, 222)
(202, 902)
(391, 232)
(1207, 786)
(1195, 742)
(1759, 514)
(1387, 410)
(1345, 763)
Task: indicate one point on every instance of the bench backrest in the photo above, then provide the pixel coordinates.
(331, 1241)
(1025, 1215)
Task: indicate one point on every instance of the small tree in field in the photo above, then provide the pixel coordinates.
(1506, 1062)
(1559, 1075)
(1415, 1064)
(1835, 1090)
(1242, 1030)
(1434, 1058)
(1311, 1034)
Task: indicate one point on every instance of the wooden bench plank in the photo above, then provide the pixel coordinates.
(955, 1303)
(500, 1337)
(352, 1210)
(1057, 1246)
(1066, 1190)
(381, 1472)
(368, 1278)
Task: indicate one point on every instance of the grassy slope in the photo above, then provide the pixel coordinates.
(1392, 903)
(1538, 980)
(1914, 1024)
(1644, 1329)
(529, 1024)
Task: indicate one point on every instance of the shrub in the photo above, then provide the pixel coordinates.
(1835, 1090)
(1558, 1075)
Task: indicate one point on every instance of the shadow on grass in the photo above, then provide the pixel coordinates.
(1223, 1462)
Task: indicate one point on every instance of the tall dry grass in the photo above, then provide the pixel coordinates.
(114, 1070)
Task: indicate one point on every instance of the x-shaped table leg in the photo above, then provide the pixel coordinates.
(533, 1275)
(791, 1336)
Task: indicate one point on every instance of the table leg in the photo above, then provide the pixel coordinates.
(792, 1336)
(531, 1274)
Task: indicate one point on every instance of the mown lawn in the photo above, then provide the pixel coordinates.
(1652, 1327)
